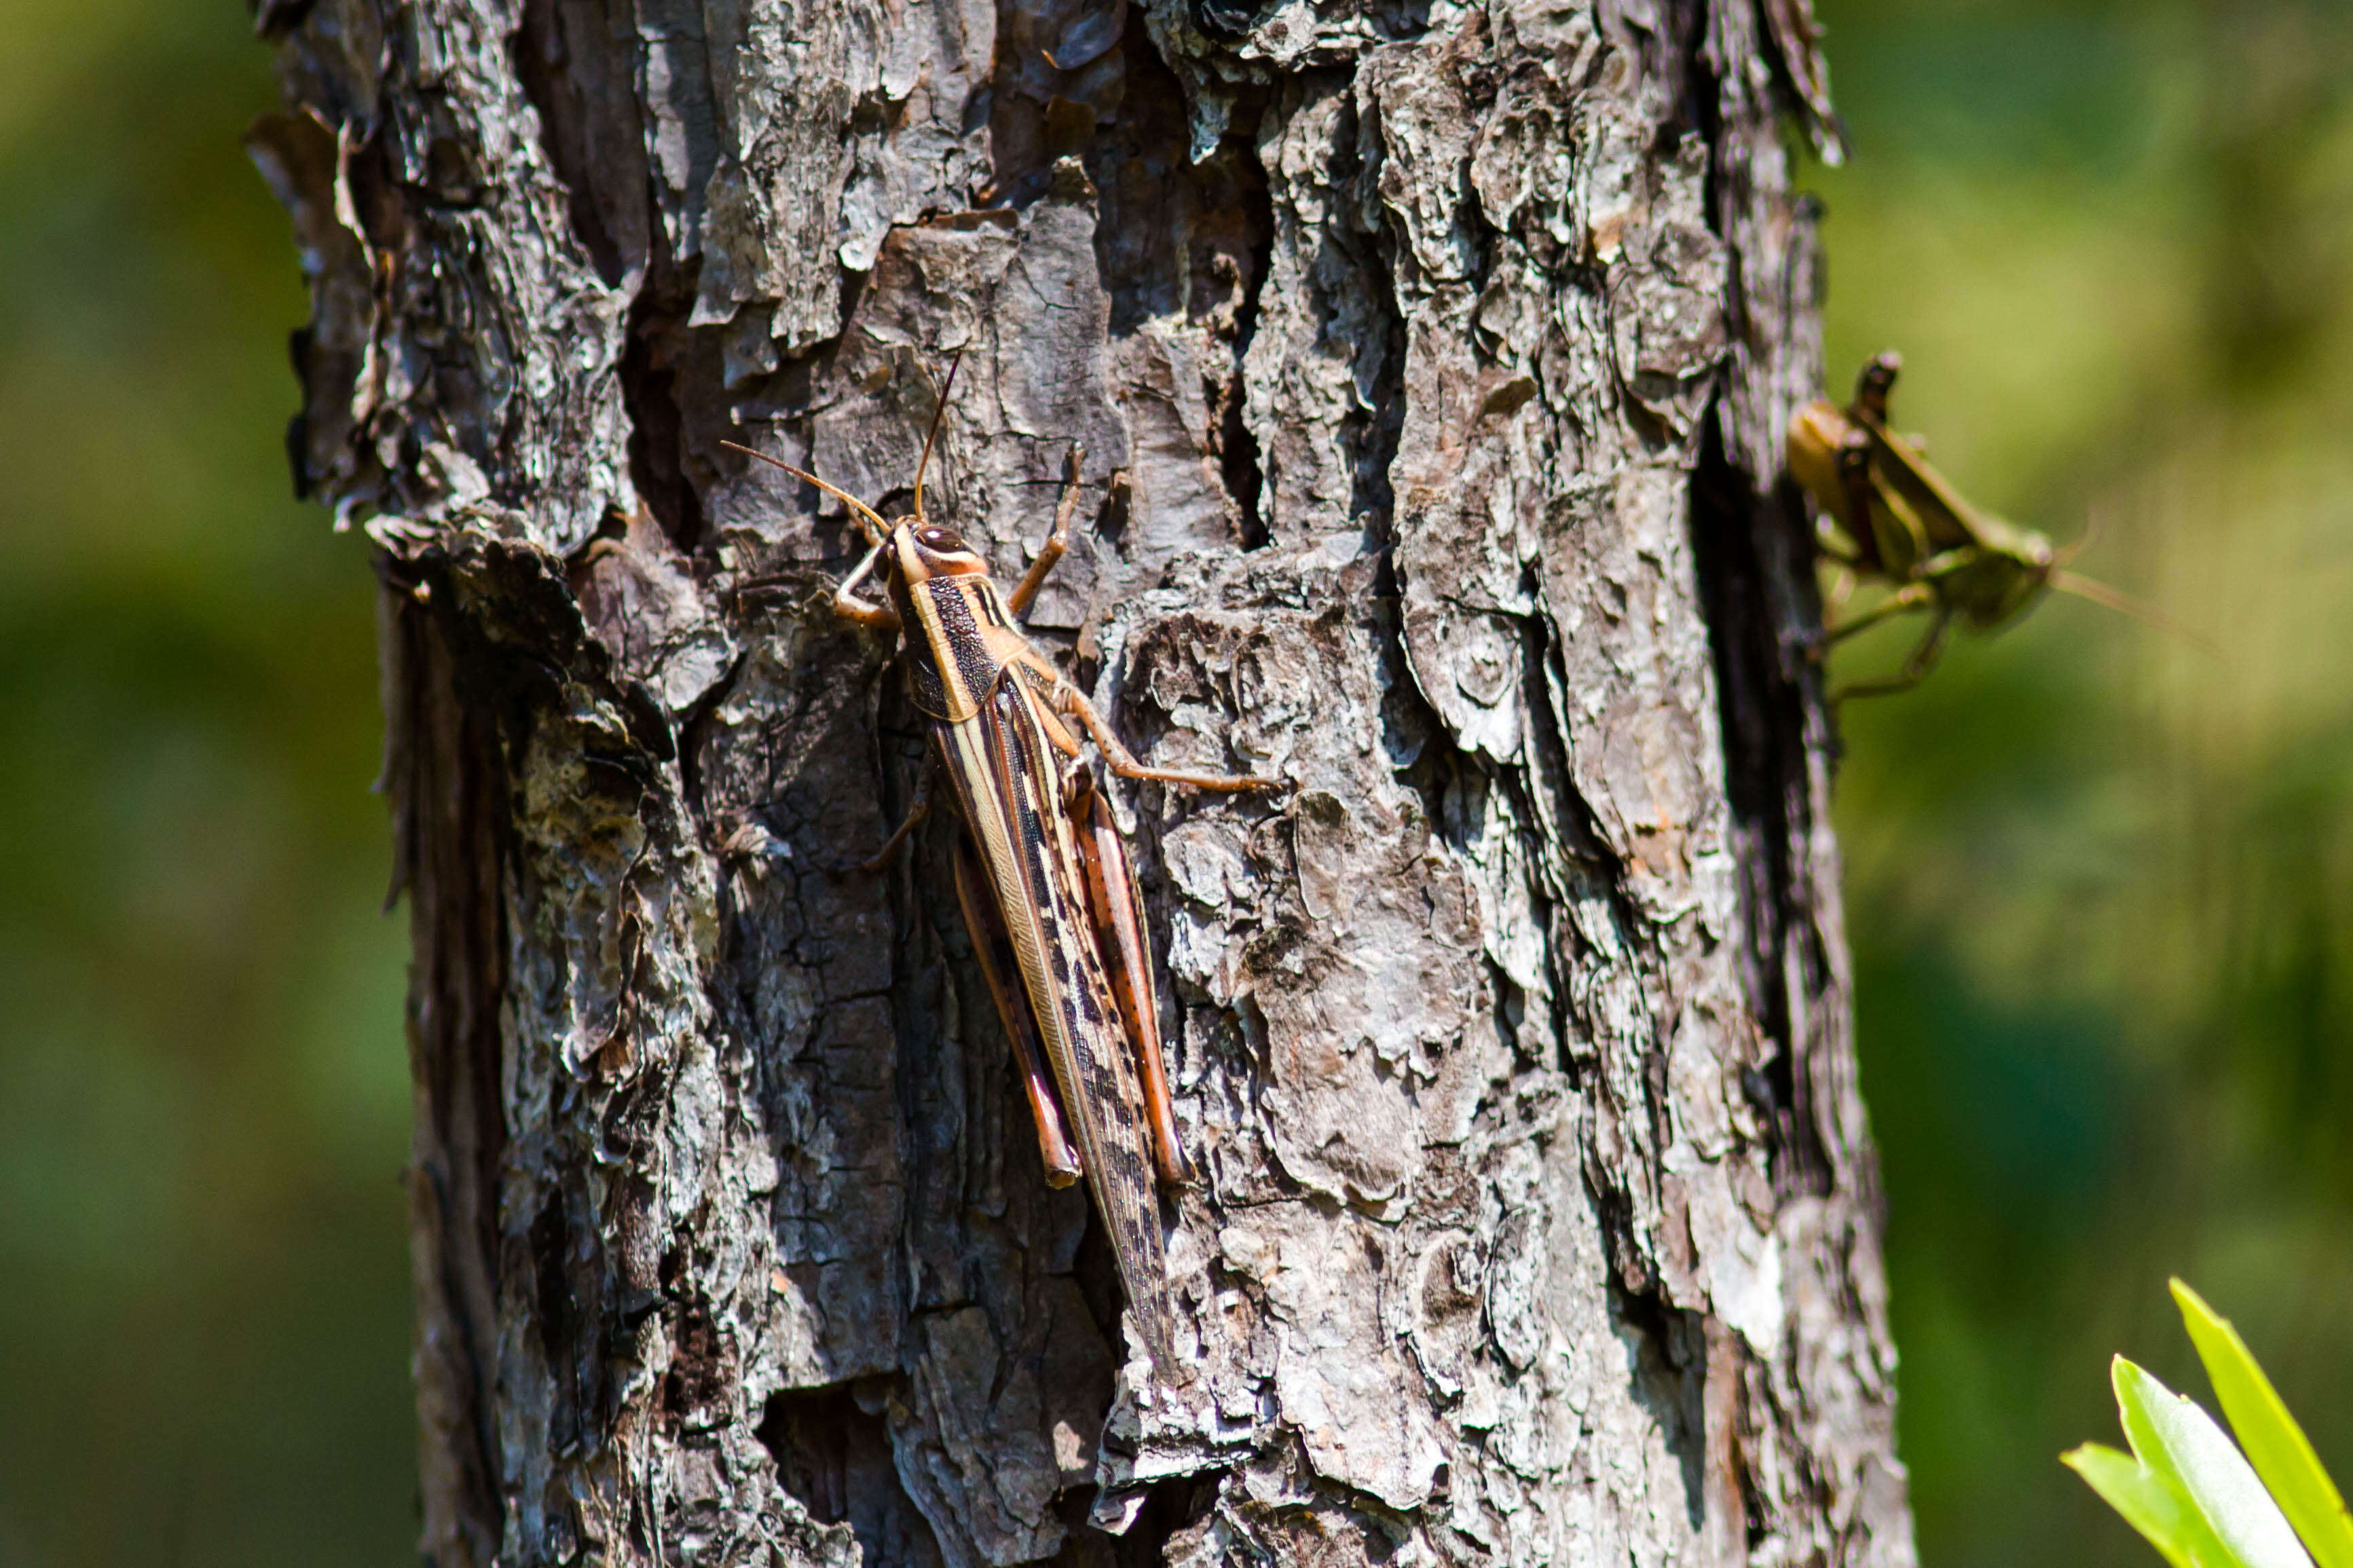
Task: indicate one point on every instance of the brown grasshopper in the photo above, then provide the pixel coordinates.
(1049, 893)
(1886, 515)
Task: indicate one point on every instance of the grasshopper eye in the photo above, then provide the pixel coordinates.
(944, 539)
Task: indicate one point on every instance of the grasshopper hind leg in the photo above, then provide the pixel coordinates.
(1117, 907)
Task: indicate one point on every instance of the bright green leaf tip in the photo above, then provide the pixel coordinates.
(2173, 1436)
(2275, 1444)
(2157, 1494)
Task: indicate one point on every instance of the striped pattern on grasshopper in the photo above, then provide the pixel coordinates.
(1047, 890)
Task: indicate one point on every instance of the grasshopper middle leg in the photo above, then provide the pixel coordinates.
(1049, 553)
(1915, 668)
(917, 809)
(1124, 762)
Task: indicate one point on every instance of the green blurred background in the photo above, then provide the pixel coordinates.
(2099, 881)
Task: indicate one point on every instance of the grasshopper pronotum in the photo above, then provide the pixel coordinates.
(1047, 890)
(1886, 515)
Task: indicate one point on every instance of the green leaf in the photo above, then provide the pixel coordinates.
(2195, 1459)
(2172, 1526)
(2275, 1444)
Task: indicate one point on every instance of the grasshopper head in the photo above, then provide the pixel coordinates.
(2009, 570)
(921, 551)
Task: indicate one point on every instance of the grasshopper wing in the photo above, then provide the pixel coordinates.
(1005, 771)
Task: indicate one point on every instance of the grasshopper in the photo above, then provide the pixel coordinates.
(1885, 514)
(1047, 890)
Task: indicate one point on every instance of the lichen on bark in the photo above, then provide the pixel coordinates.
(1427, 361)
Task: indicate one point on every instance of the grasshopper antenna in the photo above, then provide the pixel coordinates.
(2094, 518)
(869, 521)
(2123, 604)
(933, 435)
(2117, 599)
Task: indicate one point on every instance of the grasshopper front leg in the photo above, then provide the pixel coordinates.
(850, 607)
(992, 945)
(1910, 597)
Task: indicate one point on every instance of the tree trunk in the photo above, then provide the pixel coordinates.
(1429, 362)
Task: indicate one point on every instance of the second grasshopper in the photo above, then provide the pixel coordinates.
(1886, 516)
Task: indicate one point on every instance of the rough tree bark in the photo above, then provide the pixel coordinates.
(1428, 359)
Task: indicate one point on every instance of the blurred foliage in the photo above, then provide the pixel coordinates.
(2099, 882)
(204, 1096)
